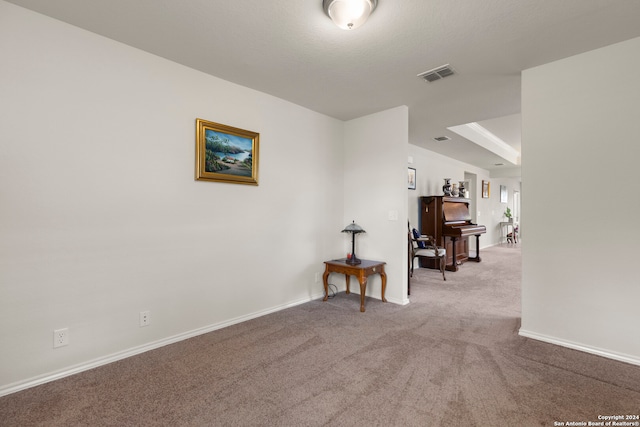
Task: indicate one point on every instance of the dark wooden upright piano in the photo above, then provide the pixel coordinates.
(448, 220)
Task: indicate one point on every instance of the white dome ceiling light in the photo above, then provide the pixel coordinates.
(349, 14)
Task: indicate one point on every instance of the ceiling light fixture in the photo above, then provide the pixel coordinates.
(349, 14)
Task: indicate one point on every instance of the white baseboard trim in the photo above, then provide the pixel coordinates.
(621, 357)
(75, 369)
(404, 301)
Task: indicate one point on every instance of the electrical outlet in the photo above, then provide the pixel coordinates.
(145, 318)
(60, 337)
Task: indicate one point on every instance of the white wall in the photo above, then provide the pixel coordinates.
(580, 155)
(494, 209)
(375, 187)
(100, 215)
(432, 168)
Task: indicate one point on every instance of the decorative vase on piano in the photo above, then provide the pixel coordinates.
(462, 190)
(446, 188)
(454, 190)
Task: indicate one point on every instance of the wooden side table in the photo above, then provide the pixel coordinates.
(362, 271)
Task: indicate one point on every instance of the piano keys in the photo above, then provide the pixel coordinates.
(448, 220)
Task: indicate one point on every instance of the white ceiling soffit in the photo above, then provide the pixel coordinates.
(487, 140)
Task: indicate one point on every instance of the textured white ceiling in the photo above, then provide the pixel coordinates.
(290, 49)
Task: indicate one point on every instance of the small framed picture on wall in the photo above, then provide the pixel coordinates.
(486, 189)
(411, 178)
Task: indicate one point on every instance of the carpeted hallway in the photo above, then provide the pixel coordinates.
(450, 358)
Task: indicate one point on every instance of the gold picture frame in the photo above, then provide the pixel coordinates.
(226, 154)
(486, 189)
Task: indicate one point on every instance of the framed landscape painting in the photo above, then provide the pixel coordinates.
(226, 154)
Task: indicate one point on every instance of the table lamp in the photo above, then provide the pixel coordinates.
(354, 229)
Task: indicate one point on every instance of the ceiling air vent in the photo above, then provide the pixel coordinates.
(442, 138)
(437, 73)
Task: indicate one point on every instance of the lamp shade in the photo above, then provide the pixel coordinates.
(353, 228)
(349, 14)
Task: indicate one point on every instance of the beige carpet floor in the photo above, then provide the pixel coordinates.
(450, 358)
